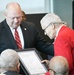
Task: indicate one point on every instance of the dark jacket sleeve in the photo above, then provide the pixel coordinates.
(42, 45)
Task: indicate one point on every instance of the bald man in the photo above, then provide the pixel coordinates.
(58, 65)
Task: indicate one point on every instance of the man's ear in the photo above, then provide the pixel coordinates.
(53, 26)
(18, 67)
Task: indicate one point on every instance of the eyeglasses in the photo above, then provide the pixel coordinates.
(53, 71)
(46, 28)
(51, 24)
(58, 72)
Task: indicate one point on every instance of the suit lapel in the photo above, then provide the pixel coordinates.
(9, 35)
(25, 35)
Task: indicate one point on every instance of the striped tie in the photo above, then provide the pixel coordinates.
(17, 39)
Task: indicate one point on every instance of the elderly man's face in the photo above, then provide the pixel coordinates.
(13, 17)
(47, 27)
(49, 31)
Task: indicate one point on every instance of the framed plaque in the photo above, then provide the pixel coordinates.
(31, 61)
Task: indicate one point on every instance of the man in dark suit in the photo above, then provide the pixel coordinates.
(29, 35)
(9, 62)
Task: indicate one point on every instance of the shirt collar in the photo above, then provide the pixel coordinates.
(59, 30)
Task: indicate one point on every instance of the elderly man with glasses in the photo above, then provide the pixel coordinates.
(63, 37)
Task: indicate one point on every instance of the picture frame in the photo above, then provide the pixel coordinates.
(30, 60)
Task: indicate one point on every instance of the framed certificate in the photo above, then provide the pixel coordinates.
(31, 61)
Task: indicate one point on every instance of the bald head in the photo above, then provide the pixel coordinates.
(13, 5)
(13, 14)
(59, 64)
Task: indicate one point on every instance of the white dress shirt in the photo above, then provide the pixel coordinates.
(20, 35)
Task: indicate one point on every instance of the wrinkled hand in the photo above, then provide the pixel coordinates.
(46, 61)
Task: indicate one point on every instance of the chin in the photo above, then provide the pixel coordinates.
(15, 26)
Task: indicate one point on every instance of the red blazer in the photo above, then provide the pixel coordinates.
(64, 46)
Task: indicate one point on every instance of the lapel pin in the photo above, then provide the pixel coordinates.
(24, 28)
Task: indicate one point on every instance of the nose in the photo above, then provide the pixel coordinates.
(16, 19)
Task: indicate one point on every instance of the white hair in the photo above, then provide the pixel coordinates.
(49, 18)
(9, 59)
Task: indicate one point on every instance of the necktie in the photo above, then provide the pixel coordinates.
(17, 39)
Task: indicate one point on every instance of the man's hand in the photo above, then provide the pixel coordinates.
(46, 61)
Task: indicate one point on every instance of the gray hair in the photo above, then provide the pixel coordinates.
(9, 59)
(50, 18)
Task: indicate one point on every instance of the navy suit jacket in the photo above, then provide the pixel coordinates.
(32, 38)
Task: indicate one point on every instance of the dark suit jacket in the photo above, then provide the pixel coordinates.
(31, 36)
(11, 73)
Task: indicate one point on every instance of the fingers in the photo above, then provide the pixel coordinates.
(46, 61)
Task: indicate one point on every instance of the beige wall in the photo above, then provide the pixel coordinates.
(63, 8)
